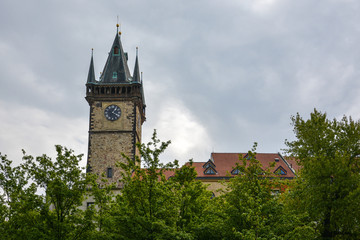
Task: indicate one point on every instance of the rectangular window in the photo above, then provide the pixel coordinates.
(109, 173)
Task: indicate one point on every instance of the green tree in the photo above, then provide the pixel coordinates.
(327, 188)
(100, 211)
(151, 206)
(192, 198)
(252, 210)
(144, 209)
(64, 183)
(19, 203)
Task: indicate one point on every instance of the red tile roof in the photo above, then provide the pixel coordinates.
(225, 163)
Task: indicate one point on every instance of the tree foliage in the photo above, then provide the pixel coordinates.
(328, 186)
(28, 214)
(151, 206)
(41, 198)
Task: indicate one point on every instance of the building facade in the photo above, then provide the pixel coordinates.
(222, 166)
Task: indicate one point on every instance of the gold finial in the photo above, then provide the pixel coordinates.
(118, 25)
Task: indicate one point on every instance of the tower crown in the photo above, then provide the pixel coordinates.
(116, 69)
(115, 80)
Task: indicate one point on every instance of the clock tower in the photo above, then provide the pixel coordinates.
(117, 112)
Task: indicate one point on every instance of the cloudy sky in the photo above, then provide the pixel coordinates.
(218, 75)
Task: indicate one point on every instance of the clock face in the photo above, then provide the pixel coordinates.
(112, 112)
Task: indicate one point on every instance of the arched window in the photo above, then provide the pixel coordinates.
(114, 75)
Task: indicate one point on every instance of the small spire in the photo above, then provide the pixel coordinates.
(136, 75)
(141, 76)
(91, 75)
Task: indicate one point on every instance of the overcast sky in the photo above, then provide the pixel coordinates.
(218, 75)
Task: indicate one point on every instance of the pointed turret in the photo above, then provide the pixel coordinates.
(136, 75)
(116, 69)
(91, 75)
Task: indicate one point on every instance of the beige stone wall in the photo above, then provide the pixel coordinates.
(138, 130)
(106, 149)
(214, 186)
(108, 139)
(138, 124)
(98, 121)
(89, 199)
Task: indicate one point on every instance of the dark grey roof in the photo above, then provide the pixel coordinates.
(91, 75)
(116, 69)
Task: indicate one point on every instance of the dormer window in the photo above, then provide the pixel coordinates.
(209, 164)
(210, 171)
(114, 75)
(280, 171)
(235, 171)
(116, 50)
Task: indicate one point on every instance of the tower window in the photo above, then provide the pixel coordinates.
(114, 75)
(109, 172)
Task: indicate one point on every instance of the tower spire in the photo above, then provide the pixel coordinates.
(116, 69)
(91, 75)
(136, 75)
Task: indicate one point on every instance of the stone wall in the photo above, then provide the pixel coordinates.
(108, 139)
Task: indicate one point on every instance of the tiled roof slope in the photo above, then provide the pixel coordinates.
(225, 163)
